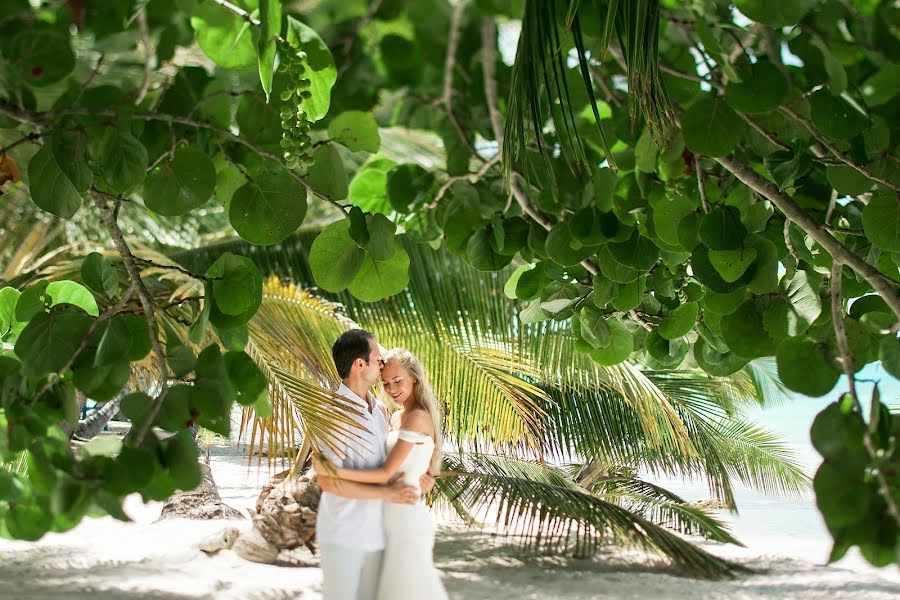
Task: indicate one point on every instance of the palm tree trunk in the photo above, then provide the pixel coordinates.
(95, 423)
(203, 502)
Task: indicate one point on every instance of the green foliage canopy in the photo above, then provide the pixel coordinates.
(686, 185)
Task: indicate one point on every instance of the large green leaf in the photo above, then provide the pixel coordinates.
(843, 500)
(40, 296)
(881, 221)
(620, 346)
(805, 367)
(9, 297)
(847, 180)
(357, 130)
(49, 340)
(269, 30)
(711, 128)
(334, 258)
(41, 56)
(377, 280)
(680, 321)
(327, 174)
(732, 264)
(637, 252)
(122, 161)
(224, 36)
(69, 149)
(762, 88)
(267, 210)
(834, 116)
(99, 275)
(50, 188)
(745, 334)
(408, 186)
(115, 342)
(722, 229)
(564, 249)
(237, 284)
(180, 185)
(718, 364)
(321, 71)
(368, 189)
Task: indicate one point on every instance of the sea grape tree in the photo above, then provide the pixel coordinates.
(697, 183)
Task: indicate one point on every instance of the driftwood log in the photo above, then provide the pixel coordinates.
(284, 519)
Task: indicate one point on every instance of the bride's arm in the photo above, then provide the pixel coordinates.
(418, 421)
(385, 472)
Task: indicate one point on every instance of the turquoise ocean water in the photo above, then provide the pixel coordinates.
(793, 527)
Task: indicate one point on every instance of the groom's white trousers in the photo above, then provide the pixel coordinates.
(348, 573)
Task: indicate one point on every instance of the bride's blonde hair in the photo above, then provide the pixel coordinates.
(423, 394)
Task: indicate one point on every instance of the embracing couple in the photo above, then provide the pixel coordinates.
(375, 534)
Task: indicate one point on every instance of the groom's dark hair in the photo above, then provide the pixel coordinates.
(348, 347)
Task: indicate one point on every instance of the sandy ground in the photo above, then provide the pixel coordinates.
(104, 558)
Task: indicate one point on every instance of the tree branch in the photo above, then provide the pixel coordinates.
(250, 19)
(149, 262)
(350, 39)
(238, 11)
(148, 55)
(450, 57)
(31, 137)
(837, 319)
(637, 319)
(90, 78)
(489, 70)
(840, 253)
(147, 304)
(704, 202)
(758, 128)
(834, 151)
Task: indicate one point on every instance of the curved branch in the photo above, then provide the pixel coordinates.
(837, 318)
(834, 151)
(840, 253)
(146, 302)
(148, 55)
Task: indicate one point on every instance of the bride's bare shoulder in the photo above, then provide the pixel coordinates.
(418, 420)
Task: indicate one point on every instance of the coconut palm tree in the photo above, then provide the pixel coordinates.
(545, 438)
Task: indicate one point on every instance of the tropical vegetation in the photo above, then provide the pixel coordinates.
(667, 192)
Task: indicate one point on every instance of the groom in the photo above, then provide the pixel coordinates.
(349, 523)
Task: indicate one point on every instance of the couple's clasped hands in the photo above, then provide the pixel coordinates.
(395, 490)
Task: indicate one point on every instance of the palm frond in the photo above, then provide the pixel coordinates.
(586, 383)
(729, 447)
(768, 390)
(541, 72)
(290, 339)
(547, 510)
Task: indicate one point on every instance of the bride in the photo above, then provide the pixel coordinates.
(413, 446)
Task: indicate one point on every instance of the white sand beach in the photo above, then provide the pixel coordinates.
(104, 558)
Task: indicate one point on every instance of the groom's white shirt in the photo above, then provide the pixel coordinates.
(356, 523)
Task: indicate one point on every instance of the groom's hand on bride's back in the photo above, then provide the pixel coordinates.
(426, 483)
(399, 493)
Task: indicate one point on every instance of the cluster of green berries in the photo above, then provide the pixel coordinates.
(295, 124)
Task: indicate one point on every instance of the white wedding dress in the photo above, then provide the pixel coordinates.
(408, 571)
